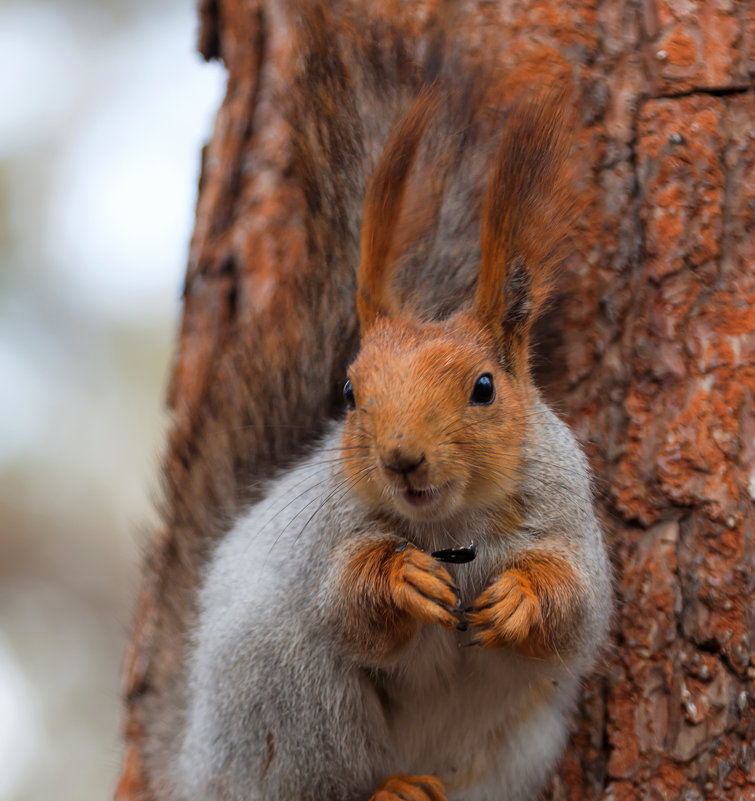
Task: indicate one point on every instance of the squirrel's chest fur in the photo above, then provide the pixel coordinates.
(474, 718)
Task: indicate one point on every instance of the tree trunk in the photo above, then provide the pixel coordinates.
(649, 353)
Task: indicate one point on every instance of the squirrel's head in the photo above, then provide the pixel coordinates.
(438, 411)
(434, 422)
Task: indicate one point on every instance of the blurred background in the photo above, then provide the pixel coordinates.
(104, 106)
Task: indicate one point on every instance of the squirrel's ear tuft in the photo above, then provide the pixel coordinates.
(526, 218)
(385, 221)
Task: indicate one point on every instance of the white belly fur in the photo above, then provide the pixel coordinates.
(481, 720)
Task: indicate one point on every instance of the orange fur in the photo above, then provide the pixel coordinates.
(410, 788)
(383, 237)
(387, 592)
(533, 606)
(527, 212)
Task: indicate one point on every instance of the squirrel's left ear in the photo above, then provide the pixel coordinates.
(526, 216)
(386, 225)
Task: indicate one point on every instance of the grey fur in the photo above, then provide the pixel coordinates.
(280, 709)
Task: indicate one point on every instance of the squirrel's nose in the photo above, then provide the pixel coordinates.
(403, 463)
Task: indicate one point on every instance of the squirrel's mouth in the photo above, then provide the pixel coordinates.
(428, 503)
(422, 497)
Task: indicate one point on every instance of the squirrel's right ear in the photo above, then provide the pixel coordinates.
(386, 228)
(526, 218)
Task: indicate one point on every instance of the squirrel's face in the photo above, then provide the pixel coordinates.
(435, 425)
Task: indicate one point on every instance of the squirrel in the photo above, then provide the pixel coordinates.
(336, 656)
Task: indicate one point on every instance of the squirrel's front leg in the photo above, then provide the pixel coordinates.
(533, 606)
(385, 588)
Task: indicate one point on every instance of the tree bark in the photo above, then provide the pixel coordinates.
(649, 354)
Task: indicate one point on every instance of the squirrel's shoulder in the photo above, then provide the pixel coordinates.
(557, 483)
(296, 509)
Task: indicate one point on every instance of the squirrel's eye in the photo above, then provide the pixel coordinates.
(483, 392)
(348, 394)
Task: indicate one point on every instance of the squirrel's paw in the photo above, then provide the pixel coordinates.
(506, 612)
(410, 788)
(424, 589)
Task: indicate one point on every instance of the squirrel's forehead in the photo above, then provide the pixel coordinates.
(438, 357)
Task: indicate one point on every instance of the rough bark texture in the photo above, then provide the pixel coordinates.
(649, 354)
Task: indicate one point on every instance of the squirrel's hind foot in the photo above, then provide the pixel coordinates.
(410, 788)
